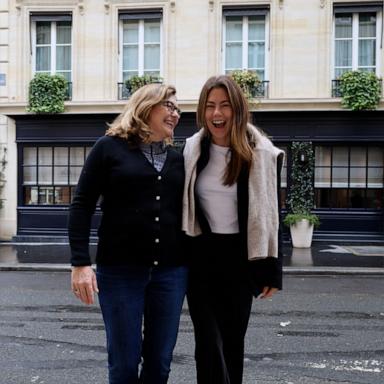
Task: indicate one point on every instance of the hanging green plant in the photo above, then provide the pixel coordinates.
(360, 90)
(301, 193)
(47, 93)
(136, 82)
(248, 81)
(3, 163)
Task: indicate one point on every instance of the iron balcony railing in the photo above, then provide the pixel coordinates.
(336, 91)
(259, 91)
(68, 93)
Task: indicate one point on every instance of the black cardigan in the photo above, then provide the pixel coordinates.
(263, 272)
(141, 207)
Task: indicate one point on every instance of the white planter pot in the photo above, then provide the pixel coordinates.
(301, 234)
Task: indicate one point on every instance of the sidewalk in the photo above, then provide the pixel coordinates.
(321, 258)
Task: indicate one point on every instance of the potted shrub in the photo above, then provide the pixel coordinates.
(248, 81)
(300, 218)
(136, 82)
(47, 93)
(360, 90)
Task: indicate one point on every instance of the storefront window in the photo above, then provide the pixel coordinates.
(50, 174)
(349, 177)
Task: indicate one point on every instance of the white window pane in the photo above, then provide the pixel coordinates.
(340, 71)
(358, 156)
(343, 53)
(87, 151)
(45, 156)
(256, 28)
(60, 175)
(46, 196)
(375, 177)
(152, 56)
(29, 175)
(339, 177)
(130, 58)
(60, 156)
(74, 174)
(340, 156)
(130, 32)
(63, 58)
(45, 175)
(358, 176)
(261, 74)
(43, 32)
(322, 156)
(152, 32)
(63, 32)
(376, 156)
(43, 58)
(367, 52)
(129, 74)
(234, 29)
(233, 56)
(367, 25)
(30, 156)
(30, 195)
(322, 177)
(256, 55)
(343, 26)
(76, 156)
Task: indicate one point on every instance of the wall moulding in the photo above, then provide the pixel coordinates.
(20, 3)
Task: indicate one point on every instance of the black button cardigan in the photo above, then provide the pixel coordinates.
(141, 207)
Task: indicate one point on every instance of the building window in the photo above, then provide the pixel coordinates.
(357, 32)
(52, 44)
(349, 177)
(140, 43)
(50, 174)
(245, 43)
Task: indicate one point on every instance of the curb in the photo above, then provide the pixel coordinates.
(304, 271)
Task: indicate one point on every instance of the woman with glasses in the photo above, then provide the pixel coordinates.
(140, 277)
(231, 214)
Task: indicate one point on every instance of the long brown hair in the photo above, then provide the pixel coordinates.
(132, 123)
(241, 151)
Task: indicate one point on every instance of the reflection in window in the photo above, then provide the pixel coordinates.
(50, 174)
(349, 177)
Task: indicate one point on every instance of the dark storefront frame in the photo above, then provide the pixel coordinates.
(329, 128)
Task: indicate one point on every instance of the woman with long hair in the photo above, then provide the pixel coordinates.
(231, 213)
(141, 277)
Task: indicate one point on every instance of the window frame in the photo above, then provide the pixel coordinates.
(245, 34)
(355, 39)
(350, 185)
(53, 45)
(141, 44)
(53, 184)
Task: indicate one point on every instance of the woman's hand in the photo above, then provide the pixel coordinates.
(267, 292)
(84, 284)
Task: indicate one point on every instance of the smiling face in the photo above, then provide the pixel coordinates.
(218, 116)
(162, 120)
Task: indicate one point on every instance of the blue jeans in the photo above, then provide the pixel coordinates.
(127, 295)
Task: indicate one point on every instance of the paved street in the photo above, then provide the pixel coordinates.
(322, 329)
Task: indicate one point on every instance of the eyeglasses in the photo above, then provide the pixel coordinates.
(171, 107)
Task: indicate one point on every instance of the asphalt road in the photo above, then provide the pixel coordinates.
(320, 329)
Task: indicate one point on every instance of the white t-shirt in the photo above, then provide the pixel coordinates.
(218, 201)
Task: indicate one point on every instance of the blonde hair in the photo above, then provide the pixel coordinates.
(241, 150)
(132, 123)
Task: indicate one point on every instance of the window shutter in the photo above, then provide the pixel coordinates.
(371, 6)
(134, 14)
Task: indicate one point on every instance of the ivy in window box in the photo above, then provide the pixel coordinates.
(136, 82)
(248, 81)
(360, 91)
(47, 93)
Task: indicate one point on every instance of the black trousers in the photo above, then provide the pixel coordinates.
(219, 300)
